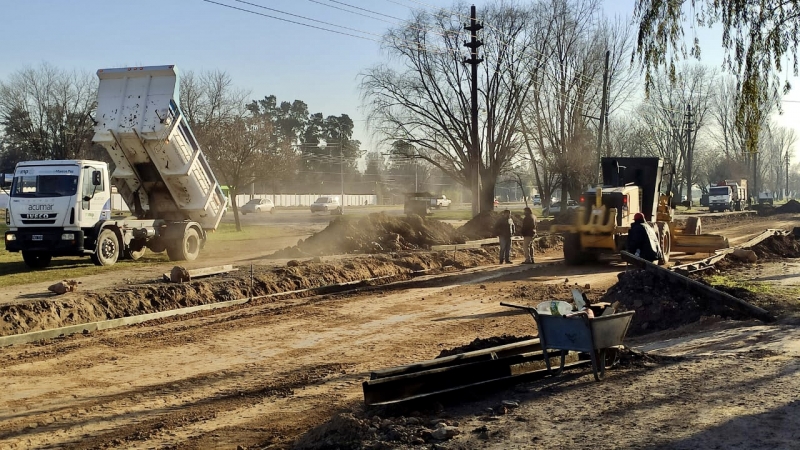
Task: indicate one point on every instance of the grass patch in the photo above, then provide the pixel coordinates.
(732, 282)
(226, 232)
(13, 270)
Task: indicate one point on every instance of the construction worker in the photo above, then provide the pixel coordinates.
(642, 239)
(504, 229)
(528, 232)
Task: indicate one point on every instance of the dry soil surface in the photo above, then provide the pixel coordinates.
(264, 376)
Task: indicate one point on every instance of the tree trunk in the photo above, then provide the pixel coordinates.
(486, 195)
(233, 193)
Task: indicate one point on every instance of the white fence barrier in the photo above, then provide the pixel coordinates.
(308, 199)
(117, 204)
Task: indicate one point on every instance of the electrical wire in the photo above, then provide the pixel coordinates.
(289, 21)
(401, 43)
(307, 18)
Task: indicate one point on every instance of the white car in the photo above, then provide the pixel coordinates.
(555, 207)
(258, 205)
(326, 204)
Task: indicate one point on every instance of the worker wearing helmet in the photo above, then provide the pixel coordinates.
(642, 239)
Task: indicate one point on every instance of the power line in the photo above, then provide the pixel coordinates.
(349, 11)
(408, 44)
(290, 21)
(366, 10)
(307, 18)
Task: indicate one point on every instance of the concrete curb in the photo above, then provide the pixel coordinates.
(34, 336)
(112, 323)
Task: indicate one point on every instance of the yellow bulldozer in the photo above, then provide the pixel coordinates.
(605, 214)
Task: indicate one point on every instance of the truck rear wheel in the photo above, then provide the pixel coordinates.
(106, 251)
(187, 249)
(36, 260)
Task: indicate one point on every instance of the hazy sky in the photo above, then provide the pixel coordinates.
(263, 55)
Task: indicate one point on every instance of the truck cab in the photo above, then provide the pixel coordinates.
(54, 206)
(63, 208)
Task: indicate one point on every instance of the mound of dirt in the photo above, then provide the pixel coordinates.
(375, 233)
(546, 242)
(81, 307)
(566, 218)
(763, 210)
(349, 431)
(343, 431)
(777, 247)
(659, 304)
(482, 225)
(480, 344)
(790, 207)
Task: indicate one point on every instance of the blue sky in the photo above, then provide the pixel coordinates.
(263, 55)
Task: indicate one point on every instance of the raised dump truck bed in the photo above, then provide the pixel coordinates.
(160, 170)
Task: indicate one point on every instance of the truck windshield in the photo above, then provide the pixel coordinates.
(719, 191)
(44, 186)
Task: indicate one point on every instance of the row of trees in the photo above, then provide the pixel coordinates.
(540, 91)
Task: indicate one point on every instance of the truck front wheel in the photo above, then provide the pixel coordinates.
(106, 251)
(187, 249)
(36, 260)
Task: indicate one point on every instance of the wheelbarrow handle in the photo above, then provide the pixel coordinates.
(524, 307)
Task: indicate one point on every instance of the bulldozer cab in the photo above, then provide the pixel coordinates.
(625, 201)
(644, 174)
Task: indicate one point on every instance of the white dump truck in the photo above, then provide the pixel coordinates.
(63, 208)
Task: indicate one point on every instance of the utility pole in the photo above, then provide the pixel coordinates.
(787, 174)
(603, 113)
(475, 151)
(689, 152)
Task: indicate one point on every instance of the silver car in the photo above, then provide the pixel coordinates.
(258, 205)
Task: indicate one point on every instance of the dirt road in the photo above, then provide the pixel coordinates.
(245, 377)
(262, 376)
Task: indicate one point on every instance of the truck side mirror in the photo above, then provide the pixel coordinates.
(6, 179)
(97, 179)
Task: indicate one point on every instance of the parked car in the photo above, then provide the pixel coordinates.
(555, 207)
(326, 204)
(258, 205)
(537, 200)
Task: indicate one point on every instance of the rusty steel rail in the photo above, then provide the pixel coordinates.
(707, 263)
(493, 367)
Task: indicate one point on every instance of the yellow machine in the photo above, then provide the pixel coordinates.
(630, 185)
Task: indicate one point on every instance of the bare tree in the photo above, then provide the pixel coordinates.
(564, 93)
(756, 35)
(426, 103)
(665, 114)
(209, 98)
(239, 150)
(46, 114)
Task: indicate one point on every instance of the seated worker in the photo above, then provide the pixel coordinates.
(642, 239)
